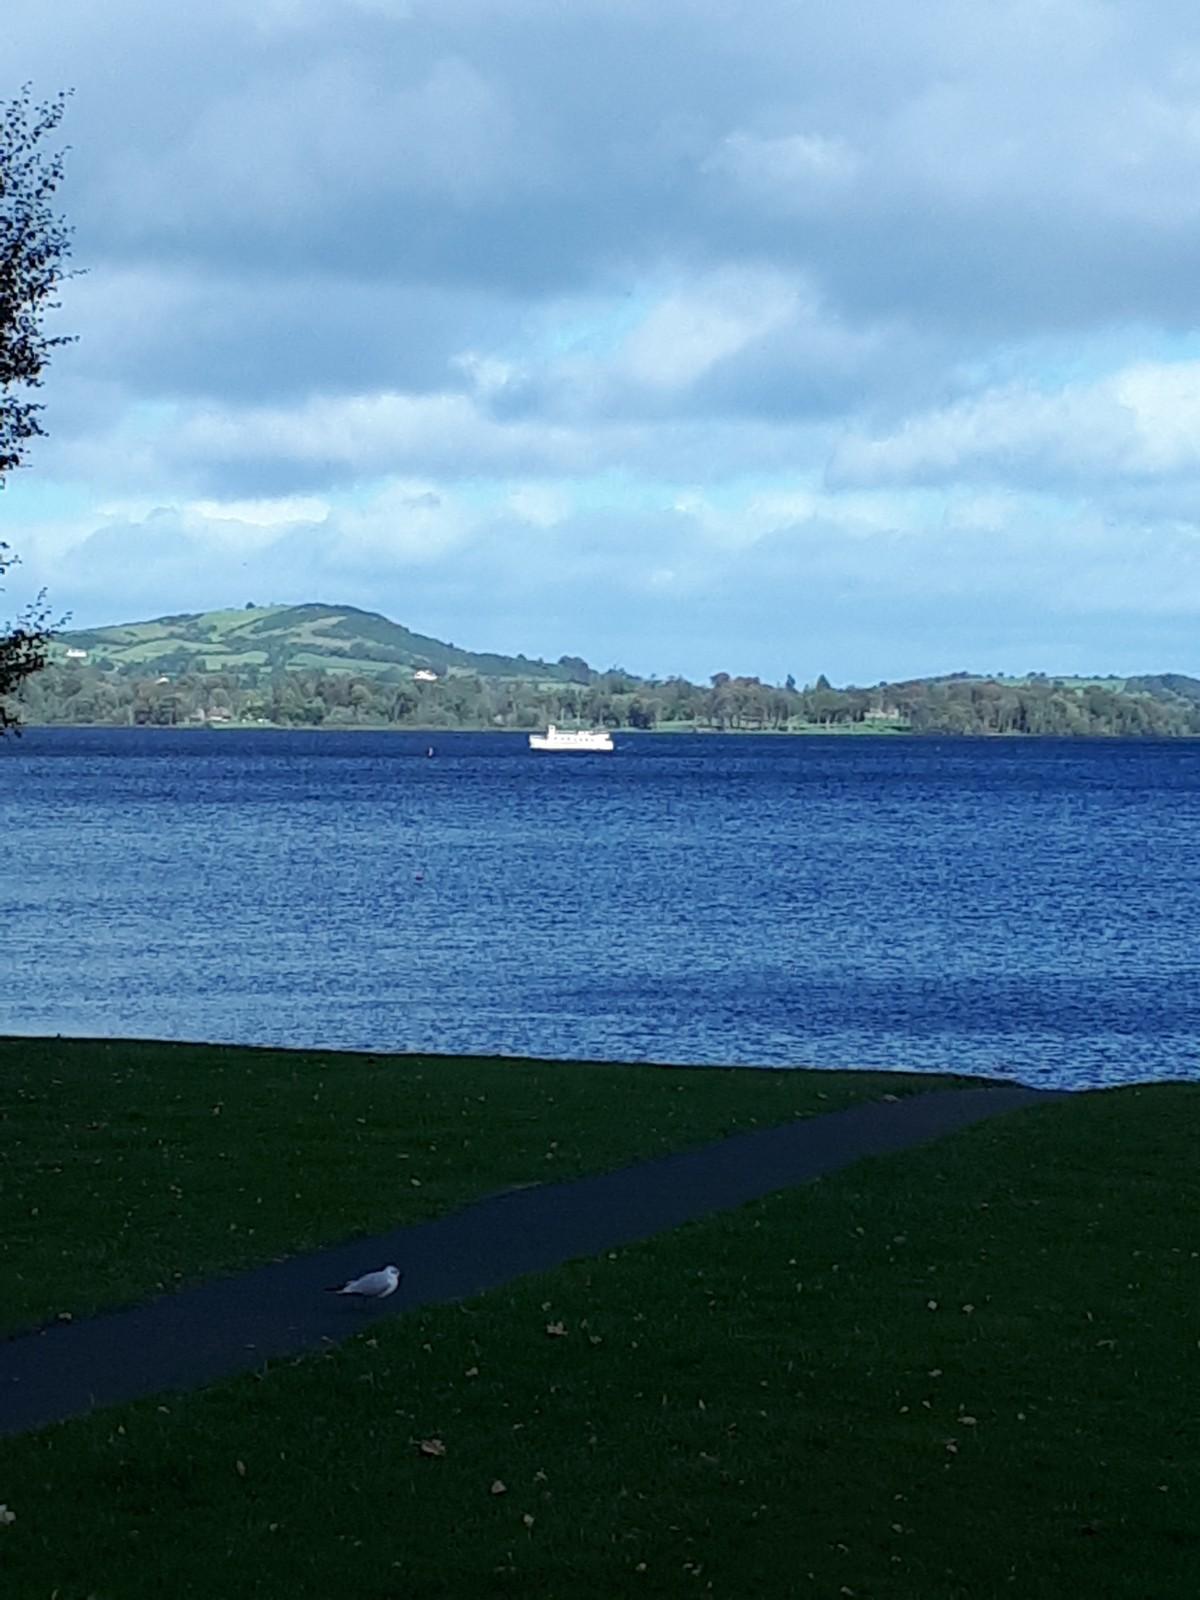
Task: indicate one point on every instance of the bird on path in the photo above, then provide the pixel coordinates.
(372, 1285)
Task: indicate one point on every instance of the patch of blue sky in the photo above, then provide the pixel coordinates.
(739, 489)
(357, 495)
(1064, 361)
(150, 418)
(613, 490)
(29, 497)
(595, 327)
(619, 491)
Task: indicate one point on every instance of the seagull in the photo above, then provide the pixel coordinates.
(372, 1285)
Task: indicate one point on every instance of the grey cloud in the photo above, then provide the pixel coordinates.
(301, 207)
(527, 145)
(176, 332)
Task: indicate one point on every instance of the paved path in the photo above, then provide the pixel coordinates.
(228, 1325)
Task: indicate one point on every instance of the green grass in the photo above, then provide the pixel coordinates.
(152, 649)
(963, 1372)
(362, 666)
(872, 726)
(229, 661)
(146, 1165)
(236, 619)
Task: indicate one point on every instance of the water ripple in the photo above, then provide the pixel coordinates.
(1023, 909)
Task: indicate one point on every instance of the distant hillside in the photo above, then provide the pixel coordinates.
(340, 667)
(1166, 686)
(1171, 688)
(292, 639)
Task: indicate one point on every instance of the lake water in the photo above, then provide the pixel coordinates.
(1021, 908)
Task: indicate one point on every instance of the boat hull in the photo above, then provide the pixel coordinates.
(564, 741)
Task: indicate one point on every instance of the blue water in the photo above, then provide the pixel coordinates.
(1021, 908)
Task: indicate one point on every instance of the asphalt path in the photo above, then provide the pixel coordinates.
(234, 1324)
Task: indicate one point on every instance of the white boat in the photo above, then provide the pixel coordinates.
(571, 739)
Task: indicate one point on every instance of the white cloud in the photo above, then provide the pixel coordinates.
(365, 435)
(793, 170)
(407, 523)
(688, 332)
(489, 375)
(283, 512)
(1140, 421)
(543, 505)
(1163, 401)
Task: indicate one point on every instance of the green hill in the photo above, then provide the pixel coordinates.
(341, 667)
(291, 638)
(1167, 686)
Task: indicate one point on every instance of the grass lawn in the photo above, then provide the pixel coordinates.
(965, 1371)
(143, 1165)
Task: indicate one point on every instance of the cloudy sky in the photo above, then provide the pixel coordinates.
(770, 336)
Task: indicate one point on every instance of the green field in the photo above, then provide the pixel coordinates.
(141, 1165)
(959, 1373)
(290, 638)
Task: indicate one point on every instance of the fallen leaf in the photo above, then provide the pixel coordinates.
(432, 1447)
(240, 1467)
(498, 1487)
(556, 1329)
(471, 1372)
(527, 1520)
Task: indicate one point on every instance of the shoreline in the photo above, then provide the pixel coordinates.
(669, 731)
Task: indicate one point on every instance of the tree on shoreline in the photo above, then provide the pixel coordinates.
(34, 245)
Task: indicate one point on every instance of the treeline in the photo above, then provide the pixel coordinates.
(1040, 706)
(81, 695)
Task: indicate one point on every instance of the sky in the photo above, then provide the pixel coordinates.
(764, 337)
